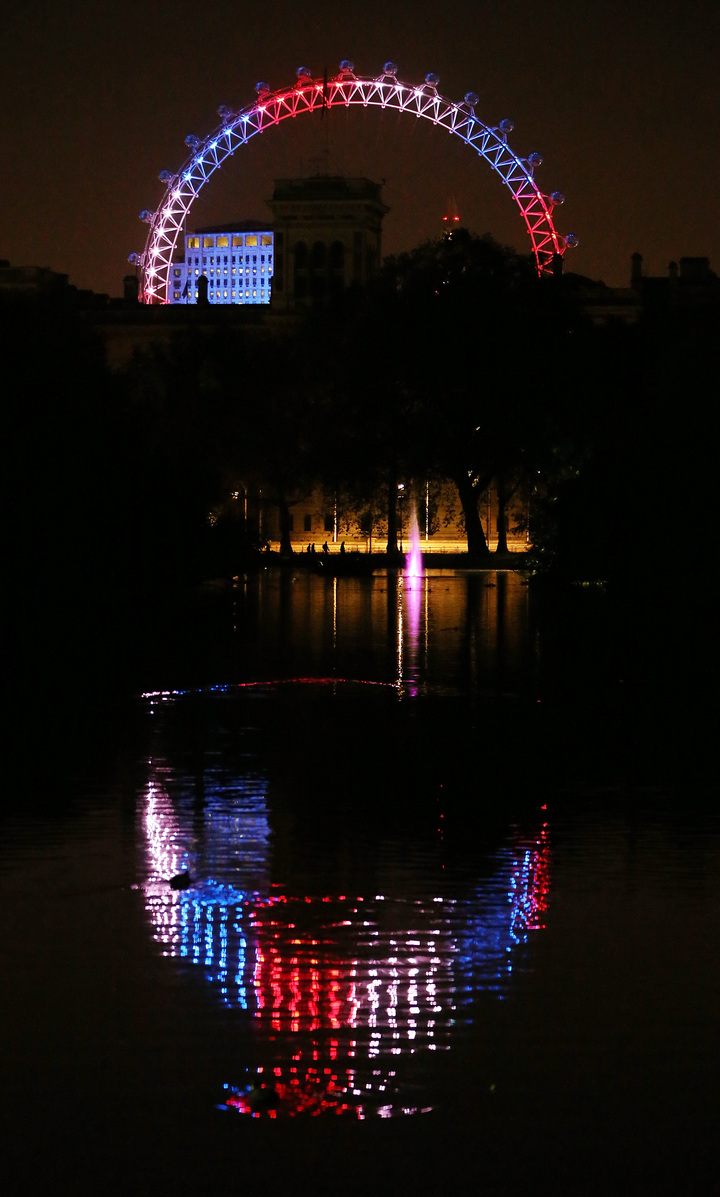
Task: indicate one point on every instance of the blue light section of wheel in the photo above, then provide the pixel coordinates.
(309, 95)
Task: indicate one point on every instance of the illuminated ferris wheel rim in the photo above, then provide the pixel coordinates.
(310, 94)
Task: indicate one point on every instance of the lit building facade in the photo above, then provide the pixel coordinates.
(323, 516)
(236, 259)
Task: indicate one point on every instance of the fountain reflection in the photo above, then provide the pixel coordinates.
(412, 599)
(423, 629)
(340, 991)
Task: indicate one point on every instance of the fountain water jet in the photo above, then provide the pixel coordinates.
(414, 562)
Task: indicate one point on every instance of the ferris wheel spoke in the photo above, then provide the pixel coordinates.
(346, 89)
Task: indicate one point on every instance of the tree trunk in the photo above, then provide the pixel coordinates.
(503, 496)
(476, 542)
(286, 549)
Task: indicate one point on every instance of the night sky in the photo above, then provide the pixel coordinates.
(620, 96)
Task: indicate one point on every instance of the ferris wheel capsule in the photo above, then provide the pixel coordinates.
(236, 128)
(147, 215)
(166, 176)
(557, 197)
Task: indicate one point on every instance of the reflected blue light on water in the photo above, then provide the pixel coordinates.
(156, 697)
(348, 982)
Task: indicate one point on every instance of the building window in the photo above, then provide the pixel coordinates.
(222, 242)
(266, 239)
(251, 241)
(329, 524)
(193, 242)
(237, 241)
(208, 242)
(307, 523)
(337, 256)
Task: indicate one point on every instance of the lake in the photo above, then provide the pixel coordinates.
(452, 860)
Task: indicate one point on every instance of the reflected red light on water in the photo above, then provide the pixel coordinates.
(336, 991)
(313, 1095)
(531, 883)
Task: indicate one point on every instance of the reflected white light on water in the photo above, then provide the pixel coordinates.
(346, 982)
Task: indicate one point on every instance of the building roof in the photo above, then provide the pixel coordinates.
(324, 187)
(237, 226)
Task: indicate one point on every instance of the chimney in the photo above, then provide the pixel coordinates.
(131, 288)
(636, 271)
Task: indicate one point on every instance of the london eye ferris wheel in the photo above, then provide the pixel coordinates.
(313, 94)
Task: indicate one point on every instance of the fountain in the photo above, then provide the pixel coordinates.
(414, 562)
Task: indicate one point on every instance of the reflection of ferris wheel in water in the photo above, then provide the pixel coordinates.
(311, 95)
(337, 993)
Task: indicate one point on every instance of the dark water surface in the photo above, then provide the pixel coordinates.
(454, 894)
